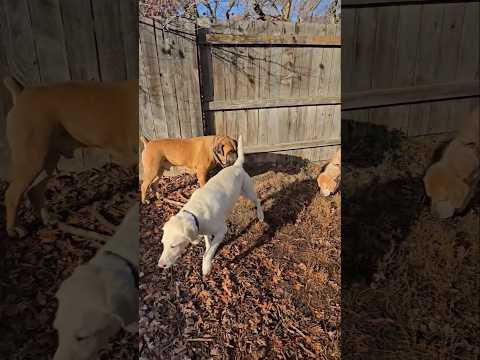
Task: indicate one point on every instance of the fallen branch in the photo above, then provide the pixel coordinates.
(173, 202)
(112, 228)
(200, 340)
(184, 199)
(307, 351)
(100, 239)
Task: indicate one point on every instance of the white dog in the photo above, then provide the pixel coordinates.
(205, 214)
(100, 297)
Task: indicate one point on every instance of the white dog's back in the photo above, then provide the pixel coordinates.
(219, 195)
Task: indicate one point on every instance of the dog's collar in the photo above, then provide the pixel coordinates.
(197, 224)
(132, 268)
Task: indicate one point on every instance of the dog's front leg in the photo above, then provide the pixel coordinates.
(211, 247)
(202, 176)
(208, 242)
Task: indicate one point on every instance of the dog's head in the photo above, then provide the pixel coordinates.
(225, 150)
(93, 305)
(178, 232)
(445, 189)
(327, 184)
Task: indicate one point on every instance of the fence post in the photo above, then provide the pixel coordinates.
(204, 60)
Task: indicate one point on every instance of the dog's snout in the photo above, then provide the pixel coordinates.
(161, 264)
(231, 158)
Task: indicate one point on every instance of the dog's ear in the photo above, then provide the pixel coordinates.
(188, 229)
(122, 296)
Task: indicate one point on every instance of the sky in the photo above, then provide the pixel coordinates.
(320, 10)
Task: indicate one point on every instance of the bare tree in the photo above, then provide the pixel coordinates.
(215, 10)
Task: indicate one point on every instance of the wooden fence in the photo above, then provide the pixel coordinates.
(276, 84)
(411, 65)
(45, 41)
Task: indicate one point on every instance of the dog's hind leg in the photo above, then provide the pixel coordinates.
(210, 253)
(23, 173)
(248, 190)
(36, 194)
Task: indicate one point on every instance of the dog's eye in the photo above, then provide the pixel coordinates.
(81, 338)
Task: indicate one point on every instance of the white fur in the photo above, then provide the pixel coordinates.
(100, 297)
(211, 204)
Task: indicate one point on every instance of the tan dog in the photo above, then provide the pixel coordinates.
(50, 120)
(450, 183)
(199, 154)
(329, 179)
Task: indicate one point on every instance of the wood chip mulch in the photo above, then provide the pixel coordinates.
(274, 290)
(32, 268)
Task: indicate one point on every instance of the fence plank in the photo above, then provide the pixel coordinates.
(193, 85)
(469, 58)
(384, 58)
(130, 27)
(47, 29)
(404, 66)
(153, 83)
(144, 107)
(21, 57)
(428, 52)
(5, 101)
(110, 45)
(447, 64)
(164, 48)
(81, 49)
(365, 28)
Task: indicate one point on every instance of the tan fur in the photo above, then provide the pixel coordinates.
(195, 154)
(329, 179)
(50, 120)
(453, 179)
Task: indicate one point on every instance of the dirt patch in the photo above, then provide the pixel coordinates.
(274, 291)
(410, 282)
(33, 267)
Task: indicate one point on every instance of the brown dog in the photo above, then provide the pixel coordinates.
(199, 154)
(450, 183)
(50, 120)
(329, 180)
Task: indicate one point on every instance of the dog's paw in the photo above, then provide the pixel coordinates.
(206, 268)
(196, 241)
(260, 215)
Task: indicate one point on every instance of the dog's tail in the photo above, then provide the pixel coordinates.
(144, 140)
(14, 86)
(240, 154)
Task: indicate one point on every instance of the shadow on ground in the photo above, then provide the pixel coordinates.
(365, 145)
(374, 218)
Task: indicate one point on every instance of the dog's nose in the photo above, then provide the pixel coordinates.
(161, 265)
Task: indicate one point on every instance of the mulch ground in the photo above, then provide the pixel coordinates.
(274, 290)
(32, 268)
(410, 281)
